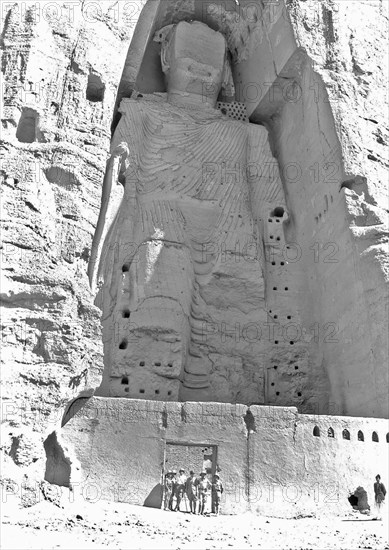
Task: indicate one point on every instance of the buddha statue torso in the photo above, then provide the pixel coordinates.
(191, 161)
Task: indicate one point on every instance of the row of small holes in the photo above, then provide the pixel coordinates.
(156, 364)
(276, 316)
(278, 393)
(123, 345)
(125, 381)
(155, 391)
(275, 288)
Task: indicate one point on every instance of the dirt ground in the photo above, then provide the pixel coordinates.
(115, 525)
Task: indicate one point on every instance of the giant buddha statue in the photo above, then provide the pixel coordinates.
(178, 249)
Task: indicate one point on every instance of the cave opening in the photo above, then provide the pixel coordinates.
(95, 89)
(27, 129)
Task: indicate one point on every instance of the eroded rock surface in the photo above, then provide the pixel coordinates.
(60, 73)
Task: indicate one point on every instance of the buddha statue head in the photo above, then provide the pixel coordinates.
(194, 61)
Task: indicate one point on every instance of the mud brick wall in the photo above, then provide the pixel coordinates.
(270, 461)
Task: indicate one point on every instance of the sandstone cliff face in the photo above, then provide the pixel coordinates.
(344, 40)
(62, 71)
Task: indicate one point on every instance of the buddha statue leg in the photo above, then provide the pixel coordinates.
(147, 349)
(196, 376)
(226, 310)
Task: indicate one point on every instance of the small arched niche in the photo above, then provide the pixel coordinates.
(316, 431)
(374, 437)
(361, 437)
(331, 432)
(346, 434)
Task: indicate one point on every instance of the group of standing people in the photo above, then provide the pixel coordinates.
(193, 490)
